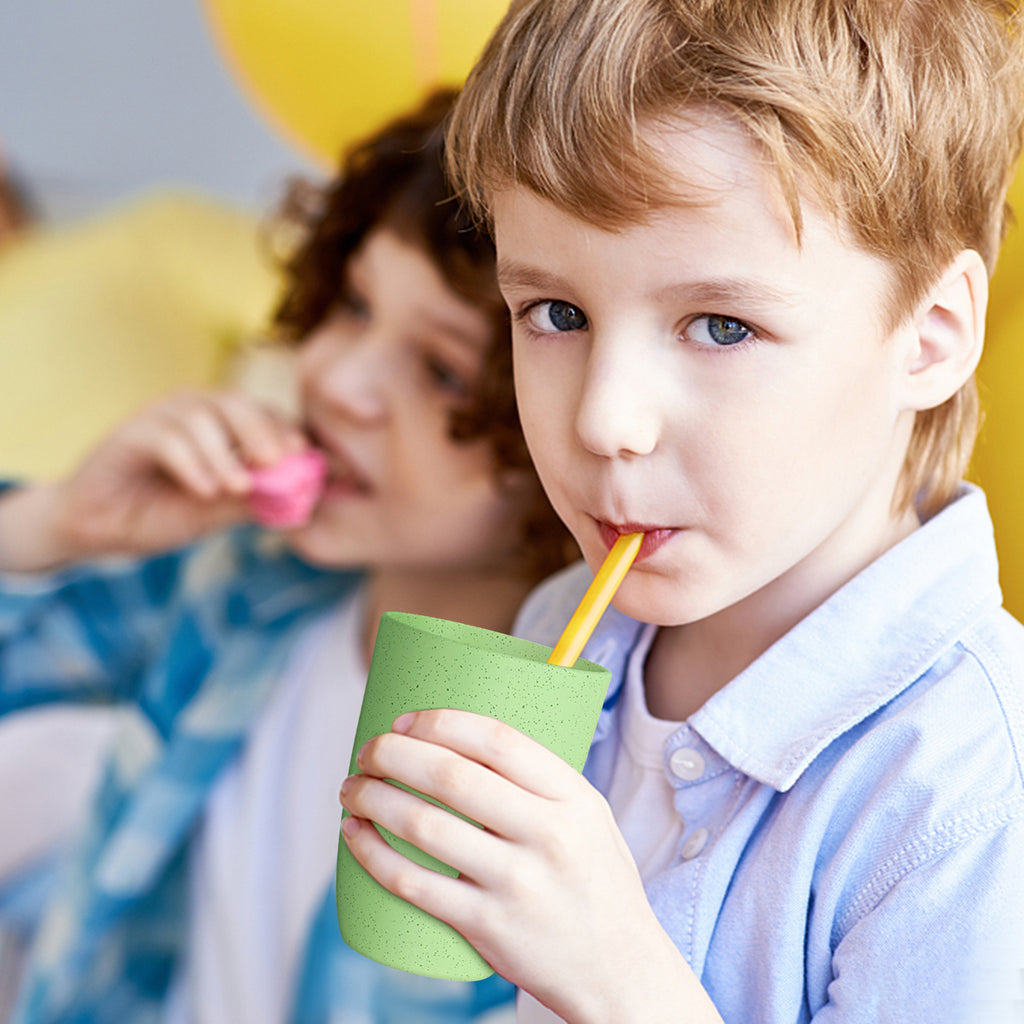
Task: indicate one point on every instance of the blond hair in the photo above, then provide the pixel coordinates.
(902, 116)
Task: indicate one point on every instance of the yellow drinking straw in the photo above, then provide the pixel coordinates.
(597, 598)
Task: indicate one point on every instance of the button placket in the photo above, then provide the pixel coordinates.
(687, 764)
(694, 844)
(693, 773)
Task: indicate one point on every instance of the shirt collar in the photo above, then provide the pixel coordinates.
(859, 649)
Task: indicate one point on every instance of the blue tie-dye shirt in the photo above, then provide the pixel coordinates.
(192, 643)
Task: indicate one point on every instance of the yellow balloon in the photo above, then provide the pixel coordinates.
(998, 463)
(325, 72)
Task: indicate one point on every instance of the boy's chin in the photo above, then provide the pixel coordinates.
(309, 544)
(660, 602)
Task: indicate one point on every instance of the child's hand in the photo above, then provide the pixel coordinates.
(548, 892)
(168, 475)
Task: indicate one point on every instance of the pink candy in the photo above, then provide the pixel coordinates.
(283, 495)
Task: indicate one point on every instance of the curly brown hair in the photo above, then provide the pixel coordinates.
(396, 178)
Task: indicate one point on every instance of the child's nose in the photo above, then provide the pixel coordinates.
(616, 413)
(354, 379)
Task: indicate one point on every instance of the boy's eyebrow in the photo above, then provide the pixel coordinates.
(712, 292)
(522, 275)
(726, 291)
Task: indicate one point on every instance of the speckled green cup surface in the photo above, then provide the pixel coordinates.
(418, 663)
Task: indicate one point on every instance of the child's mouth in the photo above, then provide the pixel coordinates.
(341, 484)
(344, 476)
(654, 536)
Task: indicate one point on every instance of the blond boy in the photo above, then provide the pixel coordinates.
(745, 245)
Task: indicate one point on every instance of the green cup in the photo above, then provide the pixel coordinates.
(421, 662)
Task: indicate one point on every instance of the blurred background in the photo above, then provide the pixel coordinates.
(138, 176)
(106, 99)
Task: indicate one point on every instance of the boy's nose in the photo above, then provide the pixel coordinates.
(354, 380)
(617, 414)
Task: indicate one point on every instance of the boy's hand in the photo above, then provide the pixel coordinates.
(548, 892)
(168, 475)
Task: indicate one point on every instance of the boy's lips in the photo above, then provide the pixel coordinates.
(654, 536)
(345, 477)
(342, 483)
(344, 474)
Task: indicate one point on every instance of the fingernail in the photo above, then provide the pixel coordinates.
(345, 786)
(403, 723)
(350, 826)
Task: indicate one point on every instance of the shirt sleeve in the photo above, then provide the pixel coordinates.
(944, 942)
(83, 635)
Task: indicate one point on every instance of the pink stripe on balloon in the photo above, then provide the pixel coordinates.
(426, 46)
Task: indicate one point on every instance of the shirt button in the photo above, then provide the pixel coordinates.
(694, 844)
(686, 764)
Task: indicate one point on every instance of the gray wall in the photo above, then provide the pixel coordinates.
(101, 99)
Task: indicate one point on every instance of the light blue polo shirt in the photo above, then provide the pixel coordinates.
(857, 795)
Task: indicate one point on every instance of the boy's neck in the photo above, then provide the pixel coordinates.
(488, 598)
(689, 664)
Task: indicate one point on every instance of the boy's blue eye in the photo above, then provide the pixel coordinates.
(724, 330)
(566, 317)
(557, 316)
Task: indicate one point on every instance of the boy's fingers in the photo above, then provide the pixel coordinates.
(177, 456)
(263, 437)
(452, 840)
(215, 444)
(232, 433)
(494, 744)
(472, 789)
(448, 899)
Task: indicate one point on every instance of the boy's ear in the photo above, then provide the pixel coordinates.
(948, 333)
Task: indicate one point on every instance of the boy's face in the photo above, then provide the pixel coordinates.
(379, 380)
(705, 378)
